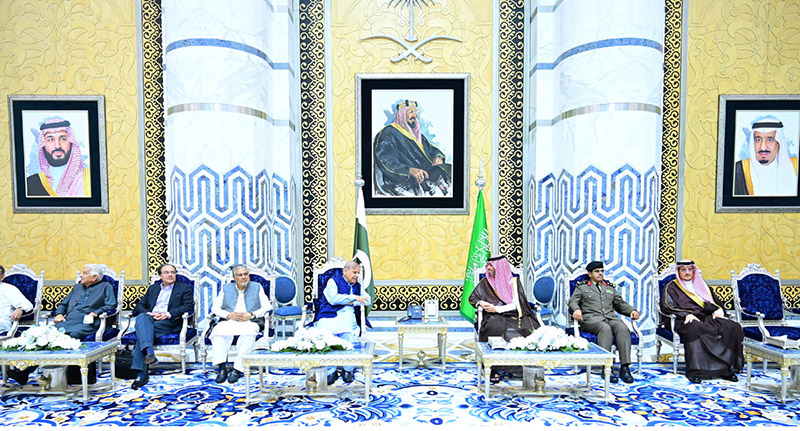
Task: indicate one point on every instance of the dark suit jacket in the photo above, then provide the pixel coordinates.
(181, 301)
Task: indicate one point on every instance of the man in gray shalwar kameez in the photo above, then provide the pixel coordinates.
(91, 297)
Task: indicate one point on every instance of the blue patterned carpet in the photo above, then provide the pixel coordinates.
(415, 397)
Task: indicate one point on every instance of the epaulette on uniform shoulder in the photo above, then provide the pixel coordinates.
(581, 283)
(610, 283)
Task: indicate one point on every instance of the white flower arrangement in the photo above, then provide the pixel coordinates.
(548, 338)
(311, 340)
(42, 337)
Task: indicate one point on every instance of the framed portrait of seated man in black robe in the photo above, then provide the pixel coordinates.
(412, 143)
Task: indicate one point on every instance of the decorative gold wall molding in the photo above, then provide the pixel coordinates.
(314, 139)
(670, 138)
(724, 294)
(79, 47)
(510, 129)
(397, 297)
(420, 247)
(734, 47)
(154, 144)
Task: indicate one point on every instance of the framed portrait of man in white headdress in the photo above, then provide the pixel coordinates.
(757, 155)
(58, 154)
(412, 142)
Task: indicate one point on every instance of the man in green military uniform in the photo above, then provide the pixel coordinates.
(596, 303)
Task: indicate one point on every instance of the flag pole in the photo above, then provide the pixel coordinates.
(479, 248)
(480, 182)
(361, 244)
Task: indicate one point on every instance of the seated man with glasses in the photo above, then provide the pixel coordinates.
(158, 313)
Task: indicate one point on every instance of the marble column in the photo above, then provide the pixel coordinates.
(594, 137)
(228, 77)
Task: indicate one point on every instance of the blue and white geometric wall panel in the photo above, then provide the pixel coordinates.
(611, 217)
(282, 227)
(227, 88)
(218, 220)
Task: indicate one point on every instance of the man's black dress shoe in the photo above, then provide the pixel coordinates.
(234, 375)
(347, 376)
(694, 379)
(137, 384)
(612, 378)
(332, 378)
(625, 374)
(731, 378)
(150, 359)
(222, 375)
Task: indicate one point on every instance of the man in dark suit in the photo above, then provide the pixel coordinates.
(159, 312)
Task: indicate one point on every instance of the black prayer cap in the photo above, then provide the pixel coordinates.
(594, 265)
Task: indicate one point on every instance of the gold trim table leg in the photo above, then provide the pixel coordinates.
(113, 365)
(784, 376)
(749, 360)
(588, 376)
(486, 375)
(443, 349)
(247, 384)
(400, 350)
(607, 369)
(367, 381)
(85, 382)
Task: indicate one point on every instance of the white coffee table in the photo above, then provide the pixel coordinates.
(360, 356)
(436, 326)
(785, 358)
(593, 356)
(88, 353)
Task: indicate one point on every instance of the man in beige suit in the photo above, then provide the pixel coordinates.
(596, 303)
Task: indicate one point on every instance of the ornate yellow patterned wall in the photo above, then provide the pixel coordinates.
(401, 246)
(65, 48)
(735, 47)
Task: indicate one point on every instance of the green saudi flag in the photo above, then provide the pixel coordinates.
(361, 249)
(479, 252)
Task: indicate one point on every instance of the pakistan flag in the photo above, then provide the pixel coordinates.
(361, 250)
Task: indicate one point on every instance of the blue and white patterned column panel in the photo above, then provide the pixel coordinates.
(228, 134)
(596, 135)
